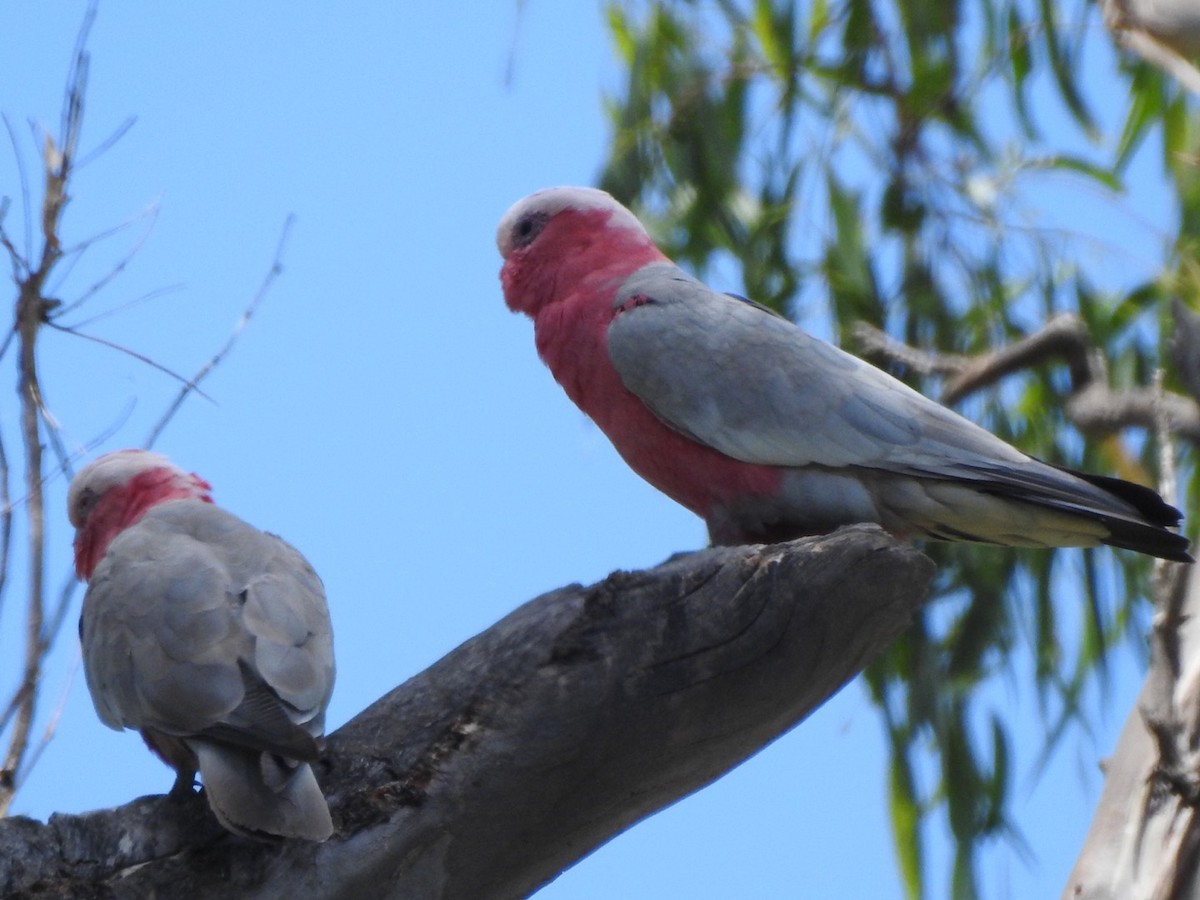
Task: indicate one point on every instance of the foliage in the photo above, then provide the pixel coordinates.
(909, 164)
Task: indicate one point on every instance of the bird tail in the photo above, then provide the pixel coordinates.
(1052, 506)
(1149, 535)
(262, 795)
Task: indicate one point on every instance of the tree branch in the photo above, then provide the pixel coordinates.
(32, 311)
(1144, 841)
(1162, 32)
(517, 754)
(1093, 406)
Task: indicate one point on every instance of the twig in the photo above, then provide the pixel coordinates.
(247, 313)
(65, 595)
(123, 307)
(108, 143)
(140, 357)
(6, 520)
(26, 204)
(52, 725)
(150, 212)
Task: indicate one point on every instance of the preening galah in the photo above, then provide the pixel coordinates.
(208, 636)
(761, 429)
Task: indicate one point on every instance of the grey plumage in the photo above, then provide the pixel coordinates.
(855, 444)
(213, 639)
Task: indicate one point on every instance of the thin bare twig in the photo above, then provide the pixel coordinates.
(56, 619)
(76, 252)
(26, 205)
(6, 520)
(52, 725)
(108, 143)
(123, 307)
(243, 320)
(140, 357)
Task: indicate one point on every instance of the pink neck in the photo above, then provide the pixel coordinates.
(121, 507)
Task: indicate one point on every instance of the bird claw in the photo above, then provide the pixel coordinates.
(184, 786)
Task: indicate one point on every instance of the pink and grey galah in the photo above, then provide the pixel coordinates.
(208, 636)
(764, 431)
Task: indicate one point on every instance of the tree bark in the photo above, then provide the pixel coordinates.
(582, 712)
(1144, 841)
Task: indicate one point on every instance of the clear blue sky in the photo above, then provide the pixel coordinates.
(384, 411)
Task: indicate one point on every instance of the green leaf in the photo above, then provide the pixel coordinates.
(906, 819)
(1075, 164)
(1064, 67)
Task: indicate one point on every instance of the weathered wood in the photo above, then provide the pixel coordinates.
(521, 751)
(1144, 841)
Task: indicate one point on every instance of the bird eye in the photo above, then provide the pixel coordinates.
(528, 227)
(83, 505)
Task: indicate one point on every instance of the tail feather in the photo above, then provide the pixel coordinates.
(1149, 539)
(1135, 516)
(1149, 536)
(1146, 501)
(262, 795)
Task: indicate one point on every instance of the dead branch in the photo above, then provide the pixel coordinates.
(32, 311)
(1165, 33)
(1144, 841)
(1093, 406)
(580, 713)
(6, 522)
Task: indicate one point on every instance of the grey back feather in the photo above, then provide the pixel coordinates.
(734, 376)
(197, 623)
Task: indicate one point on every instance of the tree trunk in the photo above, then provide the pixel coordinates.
(530, 745)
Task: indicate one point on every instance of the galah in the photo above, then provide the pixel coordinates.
(764, 431)
(208, 636)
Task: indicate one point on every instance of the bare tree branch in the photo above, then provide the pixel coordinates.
(32, 311)
(35, 273)
(1144, 841)
(6, 522)
(1162, 32)
(517, 754)
(263, 289)
(1093, 406)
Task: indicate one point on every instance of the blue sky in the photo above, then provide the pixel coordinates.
(385, 412)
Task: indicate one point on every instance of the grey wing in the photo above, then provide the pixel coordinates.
(199, 624)
(160, 643)
(286, 612)
(734, 376)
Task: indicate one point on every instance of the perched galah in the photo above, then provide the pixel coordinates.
(208, 636)
(763, 430)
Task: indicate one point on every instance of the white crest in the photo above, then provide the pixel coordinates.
(114, 469)
(551, 201)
